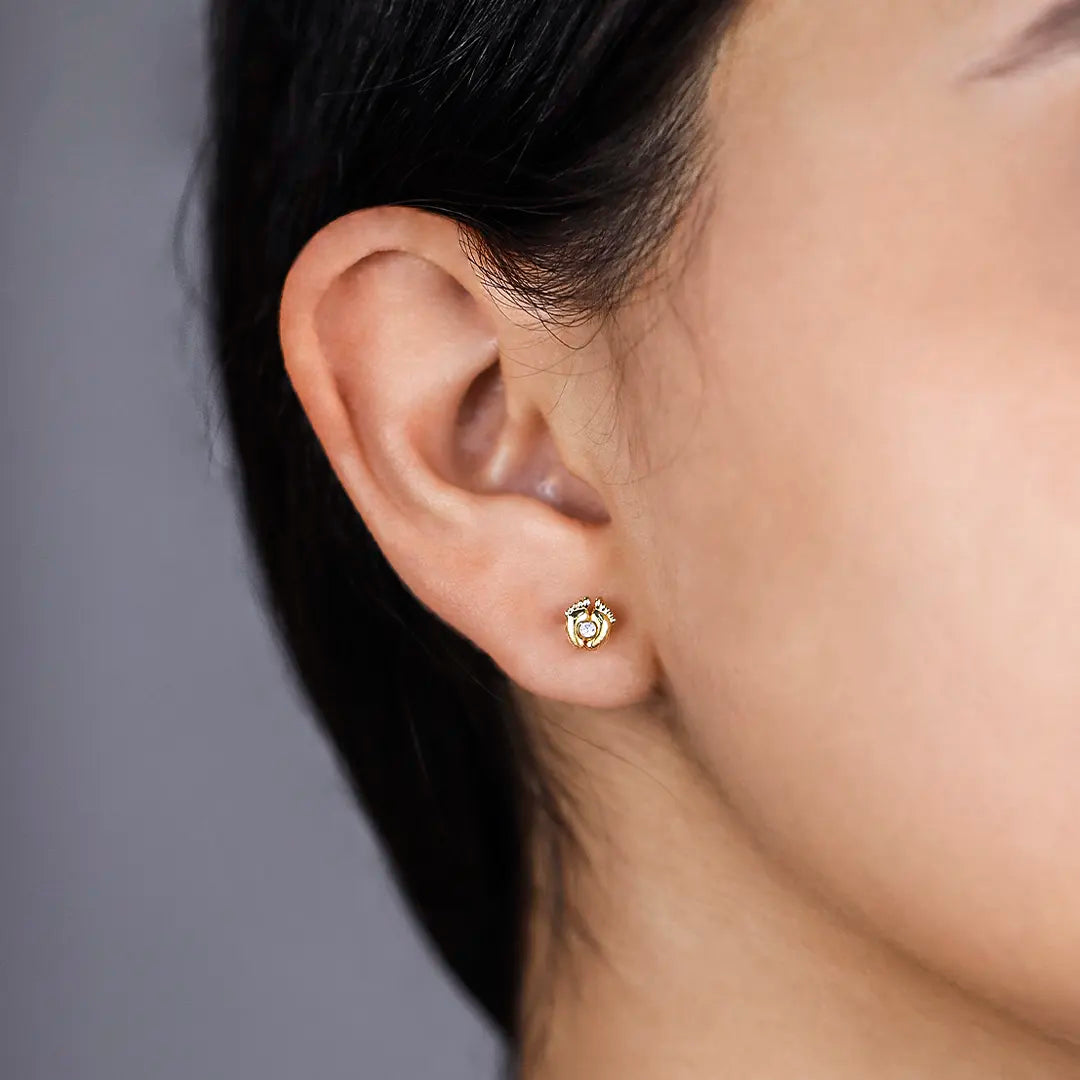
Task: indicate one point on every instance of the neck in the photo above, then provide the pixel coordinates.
(709, 960)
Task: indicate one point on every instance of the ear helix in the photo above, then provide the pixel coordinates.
(588, 625)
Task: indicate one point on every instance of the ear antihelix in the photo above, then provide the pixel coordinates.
(588, 624)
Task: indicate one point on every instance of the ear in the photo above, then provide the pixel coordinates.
(434, 404)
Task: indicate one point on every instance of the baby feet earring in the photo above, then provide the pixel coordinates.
(589, 629)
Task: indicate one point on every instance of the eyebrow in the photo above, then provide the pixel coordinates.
(1053, 33)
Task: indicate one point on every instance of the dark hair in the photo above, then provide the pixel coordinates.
(563, 136)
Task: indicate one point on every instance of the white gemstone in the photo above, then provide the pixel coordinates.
(588, 629)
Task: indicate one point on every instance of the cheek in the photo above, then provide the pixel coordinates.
(878, 652)
(872, 544)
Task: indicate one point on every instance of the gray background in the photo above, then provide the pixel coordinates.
(186, 890)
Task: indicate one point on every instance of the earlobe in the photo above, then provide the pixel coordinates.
(404, 366)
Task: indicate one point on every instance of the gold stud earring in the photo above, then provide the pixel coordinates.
(587, 624)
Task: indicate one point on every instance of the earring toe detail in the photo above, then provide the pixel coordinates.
(588, 625)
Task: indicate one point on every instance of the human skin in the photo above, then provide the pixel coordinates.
(827, 473)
